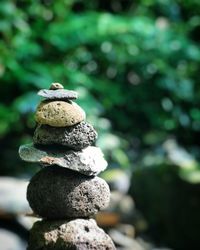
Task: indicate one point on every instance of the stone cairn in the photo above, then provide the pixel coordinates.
(66, 192)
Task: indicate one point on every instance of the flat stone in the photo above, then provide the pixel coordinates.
(75, 137)
(59, 113)
(58, 94)
(76, 234)
(58, 193)
(88, 161)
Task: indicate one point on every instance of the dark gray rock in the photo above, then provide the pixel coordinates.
(58, 94)
(59, 193)
(76, 137)
(77, 234)
(88, 161)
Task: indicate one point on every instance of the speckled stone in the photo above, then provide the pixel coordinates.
(56, 85)
(58, 94)
(59, 113)
(75, 137)
(88, 161)
(76, 234)
(58, 193)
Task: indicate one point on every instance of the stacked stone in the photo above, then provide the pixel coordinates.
(66, 192)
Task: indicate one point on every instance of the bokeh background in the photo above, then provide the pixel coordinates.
(135, 65)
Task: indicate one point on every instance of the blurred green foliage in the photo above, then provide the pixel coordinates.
(135, 65)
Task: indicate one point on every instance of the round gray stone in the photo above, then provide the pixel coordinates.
(76, 234)
(75, 137)
(58, 94)
(58, 193)
(88, 161)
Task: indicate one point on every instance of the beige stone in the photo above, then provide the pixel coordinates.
(59, 113)
(56, 85)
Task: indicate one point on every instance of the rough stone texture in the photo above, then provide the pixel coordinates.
(59, 113)
(58, 193)
(58, 94)
(76, 137)
(56, 85)
(88, 161)
(77, 234)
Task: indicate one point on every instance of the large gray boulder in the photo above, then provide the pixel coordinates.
(59, 193)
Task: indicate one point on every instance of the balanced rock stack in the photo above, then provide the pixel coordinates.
(66, 192)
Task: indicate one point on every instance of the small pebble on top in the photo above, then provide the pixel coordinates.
(56, 85)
